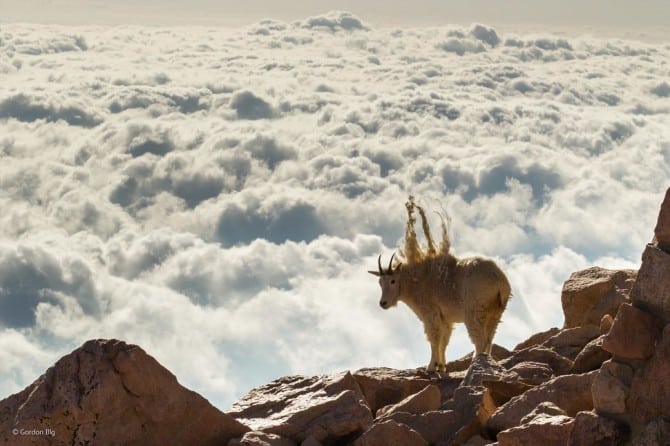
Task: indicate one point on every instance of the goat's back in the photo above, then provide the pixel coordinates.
(481, 279)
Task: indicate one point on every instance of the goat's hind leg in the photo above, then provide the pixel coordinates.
(445, 335)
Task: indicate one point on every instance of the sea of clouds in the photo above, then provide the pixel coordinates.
(217, 195)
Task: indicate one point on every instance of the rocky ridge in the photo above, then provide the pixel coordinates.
(601, 379)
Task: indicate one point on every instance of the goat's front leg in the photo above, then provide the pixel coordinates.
(433, 337)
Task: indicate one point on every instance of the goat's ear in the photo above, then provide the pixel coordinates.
(375, 273)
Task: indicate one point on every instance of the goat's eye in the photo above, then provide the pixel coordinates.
(392, 281)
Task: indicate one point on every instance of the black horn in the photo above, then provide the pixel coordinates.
(379, 263)
(390, 269)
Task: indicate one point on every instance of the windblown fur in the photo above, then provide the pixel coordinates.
(443, 290)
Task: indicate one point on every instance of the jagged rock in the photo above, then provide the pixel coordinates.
(591, 357)
(537, 339)
(572, 393)
(109, 392)
(502, 391)
(570, 341)
(463, 363)
(546, 430)
(261, 439)
(427, 400)
(467, 403)
(384, 386)
(662, 230)
(389, 432)
(532, 373)
(590, 294)
(559, 364)
(327, 408)
(650, 391)
(545, 408)
(432, 426)
(633, 334)
(485, 368)
(652, 288)
(606, 324)
(655, 433)
(611, 387)
(593, 430)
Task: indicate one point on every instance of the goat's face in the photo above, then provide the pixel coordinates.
(390, 291)
(389, 281)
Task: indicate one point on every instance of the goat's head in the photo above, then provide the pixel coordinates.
(389, 281)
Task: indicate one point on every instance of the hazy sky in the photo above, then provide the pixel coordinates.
(597, 13)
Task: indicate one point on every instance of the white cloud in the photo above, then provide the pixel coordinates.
(217, 195)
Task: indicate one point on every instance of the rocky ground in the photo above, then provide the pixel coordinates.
(601, 379)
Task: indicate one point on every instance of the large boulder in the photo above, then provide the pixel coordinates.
(652, 288)
(591, 356)
(326, 408)
(112, 393)
(546, 430)
(572, 393)
(650, 391)
(633, 334)
(590, 294)
(662, 230)
(611, 388)
(590, 429)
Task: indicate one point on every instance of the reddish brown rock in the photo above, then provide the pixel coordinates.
(427, 400)
(537, 339)
(572, 393)
(650, 391)
(532, 373)
(662, 230)
(463, 363)
(485, 368)
(468, 403)
(390, 433)
(558, 364)
(327, 408)
(652, 288)
(570, 341)
(633, 334)
(432, 426)
(655, 433)
(109, 392)
(261, 439)
(545, 408)
(383, 386)
(591, 357)
(590, 294)
(611, 387)
(594, 430)
(545, 430)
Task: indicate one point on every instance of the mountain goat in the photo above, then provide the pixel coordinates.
(442, 290)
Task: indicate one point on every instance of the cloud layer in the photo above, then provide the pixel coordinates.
(217, 195)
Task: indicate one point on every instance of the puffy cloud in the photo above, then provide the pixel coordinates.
(333, 21)
(29, 109)
(219, 201)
